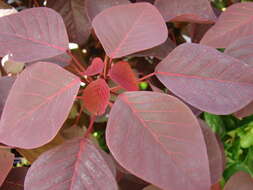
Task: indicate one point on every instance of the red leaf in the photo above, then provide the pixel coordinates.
(197, 31)
(75, 18)
(126, 29)
(239, 181)
(94, 7)
(198, 11)
(215, 153)
(96, 67)
(15, 179)
(77, 164)
(40, 98)
(246, 111)
(216, 187)
(207, 79)
(234, 23)
(96, 97)
(6, 161)
(123, 74)
(242, 49)
(149, 132)
(33, 34)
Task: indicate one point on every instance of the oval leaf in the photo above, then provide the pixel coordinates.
(96, 67)
(239, 181)
(198, 11)
(94, 7)
(40, 98)
(76, 165)
(123, 74)
(126, 29)
(149, 132)
(207, 79)
(96, 97)
(33, 34)
(75, 18)
(6, 161)
(234, 23)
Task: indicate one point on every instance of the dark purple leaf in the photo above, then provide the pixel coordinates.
(126, 29)
(15, 179)
(36, 99)
(207, 79)
(74, 165)
(149, 132)
(197, 31)
(33, 34)
(6, 161)
(94, 7)
(198, 11)
(239, 181)
(75, 18)
(233, 24)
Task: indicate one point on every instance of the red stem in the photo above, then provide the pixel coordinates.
(78, 64)
(90, 128)
(146, 77)
(106, 67)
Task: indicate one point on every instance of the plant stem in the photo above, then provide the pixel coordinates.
(146, 77)
(90, 128)
(78, 64)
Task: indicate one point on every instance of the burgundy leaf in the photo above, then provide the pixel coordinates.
(126, 29)
(96, 67)
(94, 7)
(5, 86)
(74, 165)
(239, 181)
(216, 155)
(15, 179)
(207, 79)
(6, 161)
(96, 97)
(160, 52)
(234, 23)
(75, 18)
(197, 31)
(33, 34)
(242, 49)
(150, 1)
(246, 111)
(40, 98)
(123, 74)
(198, 11)
(149, 132)
(216, 186)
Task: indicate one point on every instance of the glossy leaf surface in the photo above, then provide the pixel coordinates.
(207, 79)
(75, 18)
(33, 34)
(36, 99)
(240, 180)
(76, 165)
(94, 7)
(149, 132)
(199, 11)
(96, 67)
(96, 97)
(234, 23)
(6, 161)
(242, 49)
(123, 74)
(139, 26)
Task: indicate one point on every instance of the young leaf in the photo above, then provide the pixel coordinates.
(240, 180)
(207, 79)
(77, 164)
(15, 179)
(75, 18)
(40, 98)
(233, 24)
(33, 34)
(149, 132)
(96, 97)
(6, 161)
(242, 49)
(139, 26)
(94, 7)
(123, 74)
(96, 67)
(198, 11)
